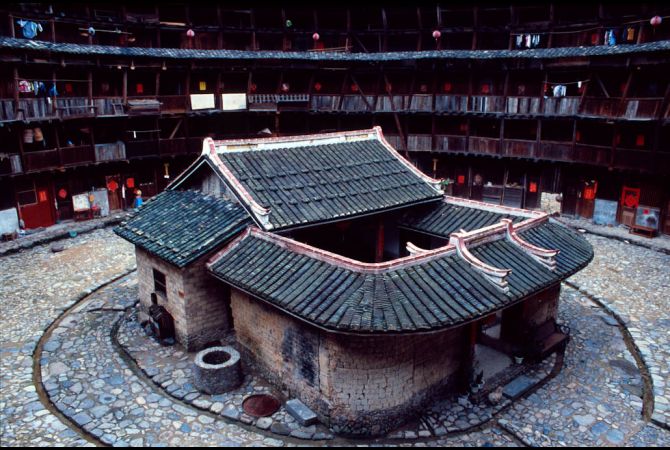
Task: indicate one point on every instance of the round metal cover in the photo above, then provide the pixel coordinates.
(260, 405)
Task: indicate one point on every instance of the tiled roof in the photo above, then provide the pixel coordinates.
(170, 53)
(444, 218)
(182, 226)
(307, 182)
(440, 290)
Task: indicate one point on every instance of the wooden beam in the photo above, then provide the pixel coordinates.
(361, 93)
(124, 86)
(602, 86)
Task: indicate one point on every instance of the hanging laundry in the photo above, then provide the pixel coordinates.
(559, 90)
(519, 40)
(611, 40)
(25, 86)
(52, 91)
(528, 40)
(30, 28)
(535, 40)
(630, 34)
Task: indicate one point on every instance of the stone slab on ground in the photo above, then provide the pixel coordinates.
(301, 412)
(515, 388)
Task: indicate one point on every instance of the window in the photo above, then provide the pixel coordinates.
(160, 285)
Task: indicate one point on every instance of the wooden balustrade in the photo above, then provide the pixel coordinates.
(489, 146)
(114, 151)
(519, 148)
(421, 102)
(174, 103)
(600, 107)
(325, 102)
(641, 108)
(141, 149)
(486, 104)
(420, 142)
(7, 109)
(35, 108)
(555, 151)
(593, 154)
(10, 164)
(448, 143)
(357, 103)
(73, 107)
(451, 103)
(109, 106)
(394, 140)
(78, 155)
(40, 160)
(392, 103)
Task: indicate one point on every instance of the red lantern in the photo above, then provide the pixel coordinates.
(639, 140)
(354, 87)
(532, 187)
(446, 87)
(316, 36)
(190, 33)
(62, 193)
(317, 86)
(656, 21)
(253, 87)
(436, 34)
(389, 87)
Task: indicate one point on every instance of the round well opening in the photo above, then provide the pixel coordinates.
(216, 357)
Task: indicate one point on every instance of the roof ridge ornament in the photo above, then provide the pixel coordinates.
(497, 277)
(544, 256)
(260, 212)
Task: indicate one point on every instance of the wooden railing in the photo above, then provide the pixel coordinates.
(7, 109)
(420, 142)
(35, 108)
(561, 106)
(79, 155)
(641, 108)
(357, 103)
(174, 103)
(10, 164)
(593, 154)
(72, 107)
(325, 102)
(109, 106)
(384, 103)
(555, 151)
(486, 104)
(421, 102)
(43, 159)
(448, 143)
(451, 103)
(395, 141)
(600, 107)
(115, 151)
(519, 148)
(489, 146)
(141, 149)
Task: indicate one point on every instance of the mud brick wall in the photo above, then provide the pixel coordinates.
(360, 385)
(198, 304)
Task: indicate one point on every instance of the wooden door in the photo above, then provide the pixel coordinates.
(36, 205)
(113, 183)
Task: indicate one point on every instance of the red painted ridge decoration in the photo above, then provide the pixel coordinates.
(498, 277)
(544, 256)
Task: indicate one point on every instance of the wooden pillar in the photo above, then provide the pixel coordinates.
(12, 29)
(90, 91)
(217, 91)
(124, 86)
(379, 252)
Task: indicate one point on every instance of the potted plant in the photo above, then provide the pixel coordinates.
(447, 185)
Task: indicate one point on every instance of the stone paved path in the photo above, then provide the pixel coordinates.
(35, 287)
(635, 283)
(595, 400)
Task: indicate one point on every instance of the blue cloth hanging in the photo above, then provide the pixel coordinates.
(30, 28)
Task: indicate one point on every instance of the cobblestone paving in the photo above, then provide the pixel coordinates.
(634, 282)
(35, 287)
(595, 400)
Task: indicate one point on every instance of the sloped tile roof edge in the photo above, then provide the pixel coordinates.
(211, 150)
(174, 53)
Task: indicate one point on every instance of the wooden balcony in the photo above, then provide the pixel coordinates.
(35, 108)
(519, 148)
(451, 103)
(79, 155)
(7, 110)
(109, 106)
(174, 103)
(555, 151)
(392, 103)
(523, 105)
(420, 142)
(356, 103)
(593, 154)
(325, 102)
(600, 107)
(486, 104)
(11, 165)
(40, 160)
(395, 141)
(642, 108)
(115, 151)
(448, 143)
(561, 106)
(75, 107)
(421, 102)
(484, 145)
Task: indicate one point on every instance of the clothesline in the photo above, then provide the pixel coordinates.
(49, 80)
(142, 131)
(567, 82)
(106, 31)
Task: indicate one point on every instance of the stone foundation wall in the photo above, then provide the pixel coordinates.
(360, 385)
(197, 302)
